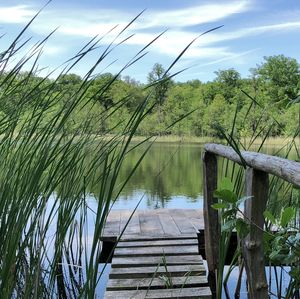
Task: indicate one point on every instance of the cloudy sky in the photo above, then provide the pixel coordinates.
(251, 30)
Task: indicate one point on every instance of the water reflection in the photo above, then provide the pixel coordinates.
(170, 176)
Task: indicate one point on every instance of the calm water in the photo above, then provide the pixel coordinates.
(170, 176)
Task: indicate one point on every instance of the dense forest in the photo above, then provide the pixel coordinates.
(268, 97)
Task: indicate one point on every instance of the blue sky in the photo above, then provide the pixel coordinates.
(251, 30)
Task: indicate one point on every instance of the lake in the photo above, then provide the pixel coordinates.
(170, 176)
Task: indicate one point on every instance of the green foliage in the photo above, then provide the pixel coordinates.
(280, 79)
(228, 207)
(53, 147)
(266, 101)
(282, 247)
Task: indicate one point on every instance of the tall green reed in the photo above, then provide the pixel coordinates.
(48, 245)
(281, 193)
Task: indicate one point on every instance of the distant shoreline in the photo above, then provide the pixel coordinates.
(278, 141)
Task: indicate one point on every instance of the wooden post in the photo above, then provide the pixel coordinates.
(211, 220)
(257, 185)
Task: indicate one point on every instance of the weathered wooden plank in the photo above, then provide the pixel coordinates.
(150, 223)
(283, 168)
(156, 245)
(151, 243)
(157, 223)
(182, 222)
(155, 260)
(211, 220)
(155, 283)
(193, 213)
(195, 217)
(156, 251)
(257, 186)
(143, 272)
(168, 224)
(112, 226)
(156, 237)
(187, 293)
(133, 226)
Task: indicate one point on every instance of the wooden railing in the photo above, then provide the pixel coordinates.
(259, 166)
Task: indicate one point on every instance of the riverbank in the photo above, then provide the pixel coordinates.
(274, 141)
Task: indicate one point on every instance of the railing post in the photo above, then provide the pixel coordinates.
(257, 185)
(211, 220)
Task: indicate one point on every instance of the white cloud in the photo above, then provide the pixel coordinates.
(83, 23)
(53, 50)
(88, 23)
(195, 15)
(173, 42)
(235, 57)
(250, 31)
(16, 14)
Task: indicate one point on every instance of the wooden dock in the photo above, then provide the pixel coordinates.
(157, 255)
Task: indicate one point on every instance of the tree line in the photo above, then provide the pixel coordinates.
(266, 100)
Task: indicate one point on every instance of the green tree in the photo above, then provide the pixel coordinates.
(182, 99)
(280, 78)
(161, 84)
(215, 115)
(228, 82)
(158, 75)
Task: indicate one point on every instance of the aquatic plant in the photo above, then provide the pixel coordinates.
(282, 204)
(49, 245)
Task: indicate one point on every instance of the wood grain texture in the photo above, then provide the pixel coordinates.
(150, 223)
(155, 260)
(156, 251)
(158, 243)
(155, 283)
(143, 272)
(211, 219)
(187, 293)
(112, 226)
(183, 223)
(156, 247)
(160, 223)
(283, 168)
(257, 186)
(168, 224)
(132, 224)
(129, 238)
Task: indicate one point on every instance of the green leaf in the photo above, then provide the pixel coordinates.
(276, 256)
(242, 228)
(229, 226)
(226, 195)
(229, 213)
(269, 216)
(268, 237)
(226, 184)
(219, 205)
(287, 215)
(295, 273)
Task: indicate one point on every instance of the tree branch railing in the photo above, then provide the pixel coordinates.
(259, 166)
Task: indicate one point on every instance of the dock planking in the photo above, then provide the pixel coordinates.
(200, 292)
(153, 223)
(142, 272)
(122, 262)
(156, 255)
